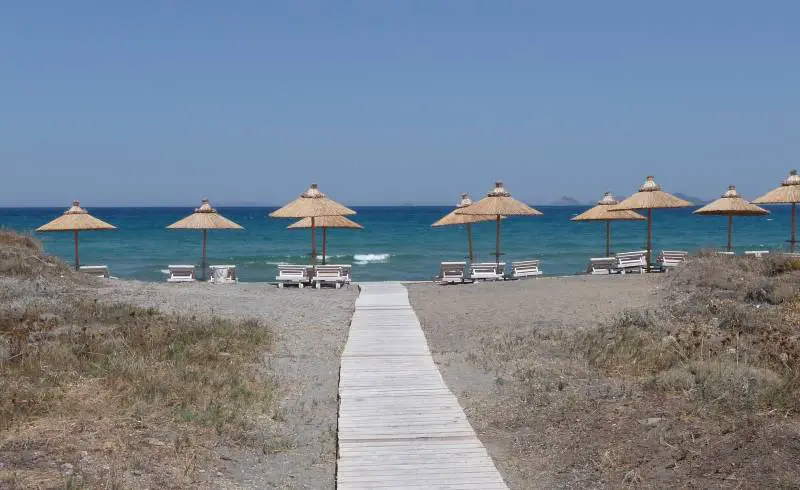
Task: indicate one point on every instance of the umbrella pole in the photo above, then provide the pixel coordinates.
(324, 243)
(313, 242)
(77, 254)
(497, 240)
(469, 241)
(608, 238)
(649, 236)
(203, 260)
(794, 226)
(730, 232)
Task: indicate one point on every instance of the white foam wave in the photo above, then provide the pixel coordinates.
(164, 271)
(363, 259)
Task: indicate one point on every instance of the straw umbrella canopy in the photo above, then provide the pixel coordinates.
(787, 193)
(731, 204)
(204, 218)
(453, 219)
(603, 211)
(498, 204)
(312, 204)
(650, 197)
(76, 219)
(326, 222)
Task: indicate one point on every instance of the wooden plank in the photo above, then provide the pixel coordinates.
(399, 424)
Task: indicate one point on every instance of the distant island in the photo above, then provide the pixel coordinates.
(566, 201)
(694, 200)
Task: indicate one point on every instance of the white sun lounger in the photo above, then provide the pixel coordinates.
(602, 265)
(525, 268)
(671, 258)
(452, 272)
(488, 271)
(725, 254)
(756, 253)
(632, 261)
(95, 270)
(181, 273)
(328, 274)
(300, 275)
(223, 274)
(347, 271)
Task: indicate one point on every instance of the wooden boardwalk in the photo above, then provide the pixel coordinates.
(399, 424)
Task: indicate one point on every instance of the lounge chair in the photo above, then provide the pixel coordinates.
(347, 271)
(95, 270)
(181, 273)
(671, 258)
(525, 268)
(299, 275)
(488, 271)
(725, 254)
(756, 253)
(603, 265)
(329, 274)
(452, 272)
(223, 274)
(632, 261)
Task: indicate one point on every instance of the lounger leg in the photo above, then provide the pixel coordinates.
(300, 285)
(280, 285)
(338, 285)
(318, 285)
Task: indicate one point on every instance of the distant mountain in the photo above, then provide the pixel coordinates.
(694, 200)
(566, 201)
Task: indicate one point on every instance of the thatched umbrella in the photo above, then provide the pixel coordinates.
(204, 218)
(498, 204)
(731, 204)
(453, 218)
(787, 193)
(650, 197)
(326, 222)
(603, 212)
(76, 219)
(312, 204)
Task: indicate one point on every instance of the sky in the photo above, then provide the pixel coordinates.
(393, 102)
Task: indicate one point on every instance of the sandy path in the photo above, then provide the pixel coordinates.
(311, 328)
(500, 348)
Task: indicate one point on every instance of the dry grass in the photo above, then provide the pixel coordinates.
(99, 395)
(727, 335)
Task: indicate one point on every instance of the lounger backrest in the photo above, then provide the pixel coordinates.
(453, 268)
(181, 270)
(95, 270)
(287, 270)
(526, 266)
(487, 268)
(631, 259)
(328, 272)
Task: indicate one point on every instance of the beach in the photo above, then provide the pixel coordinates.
(310, 328)
(260, 366)
(649, 380)
(499, 348)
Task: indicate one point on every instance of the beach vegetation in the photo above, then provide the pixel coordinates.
(114, 395)
(725, 334)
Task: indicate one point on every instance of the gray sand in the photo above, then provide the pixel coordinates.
(486, 337)
(311, 328)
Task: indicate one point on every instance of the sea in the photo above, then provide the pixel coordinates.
(397, 243)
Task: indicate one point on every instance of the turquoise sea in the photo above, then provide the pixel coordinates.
(397, 242)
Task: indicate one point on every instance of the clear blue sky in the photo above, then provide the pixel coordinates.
(165, 102)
